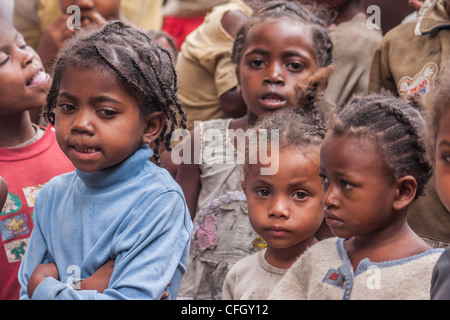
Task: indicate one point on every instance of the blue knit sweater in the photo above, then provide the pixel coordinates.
(134, 213)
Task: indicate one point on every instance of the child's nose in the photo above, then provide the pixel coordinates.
(329, 198)
(27, 57)
(82, 124)
(279, 208)
(274, 74)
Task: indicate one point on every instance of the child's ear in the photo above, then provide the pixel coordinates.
(406, 192)
(155, 124)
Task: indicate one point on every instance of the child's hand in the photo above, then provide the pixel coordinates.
(53, 39)
(100, 279)
(416, 4)
(93, 18)
(165, 294)
(41, 272)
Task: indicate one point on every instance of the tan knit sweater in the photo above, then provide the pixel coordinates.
(325, 272)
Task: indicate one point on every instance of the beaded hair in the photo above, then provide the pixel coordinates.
(145, 69)
(396, 127)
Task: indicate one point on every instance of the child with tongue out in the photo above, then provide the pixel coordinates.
(281, 47)
(29, 154)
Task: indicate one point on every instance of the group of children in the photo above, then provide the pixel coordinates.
(113, 224)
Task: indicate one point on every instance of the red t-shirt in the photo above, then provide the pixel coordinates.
(25, 170)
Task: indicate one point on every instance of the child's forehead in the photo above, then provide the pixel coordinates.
(349, 143)
(284, 32)
(7, 33)
(285, 23)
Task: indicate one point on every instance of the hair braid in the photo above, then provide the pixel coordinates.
(397, 128)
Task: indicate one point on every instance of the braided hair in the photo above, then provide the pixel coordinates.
(145, 69)
(397, 128)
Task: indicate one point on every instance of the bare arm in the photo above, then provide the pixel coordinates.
(188, 174)
(233, 104)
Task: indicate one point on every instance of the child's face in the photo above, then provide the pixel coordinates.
(108, 9)
(23, 82)
(442, 160)
(98, 124)
(278, 55)
(286, 208)
(358, 196)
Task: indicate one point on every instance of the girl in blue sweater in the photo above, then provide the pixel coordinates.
(118, 227)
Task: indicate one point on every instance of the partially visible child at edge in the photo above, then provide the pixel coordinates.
(284, 208)
(53, 18)
(438, 105)
(119, 224)
(374, 164)
(29, 154)
(3, 192)
(282, 46)
(406, 62)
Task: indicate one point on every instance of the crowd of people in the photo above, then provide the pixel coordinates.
(234, 150)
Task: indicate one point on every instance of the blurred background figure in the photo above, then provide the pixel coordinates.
(43, 23)
(181, 17)
(36, 18)
(353, 46)
(7, 8)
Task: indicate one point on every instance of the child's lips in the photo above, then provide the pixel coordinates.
(85, 149)
(331, 219)
(277, 231)
(273, 100)
(84, 152)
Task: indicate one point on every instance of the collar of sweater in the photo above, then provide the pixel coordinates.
(119, 173)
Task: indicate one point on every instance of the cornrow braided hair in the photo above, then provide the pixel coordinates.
(146, 71)
(396, 127)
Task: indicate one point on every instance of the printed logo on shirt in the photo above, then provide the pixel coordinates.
(31, 193)
(334, 278)
(16, 249)
(12, 205)
(421, 83)
(14, 227)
